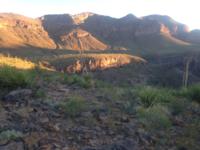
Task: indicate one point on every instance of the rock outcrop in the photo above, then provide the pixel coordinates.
(88, 31)
(79, 39)
(20, 31)
(80, 18)
(103, 61)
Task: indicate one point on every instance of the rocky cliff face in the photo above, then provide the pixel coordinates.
(92, 62)
(79, 39)
(56, 25)
(80, 18)
(88, 31)
(151, 27)
(174, 28)
(17, 30)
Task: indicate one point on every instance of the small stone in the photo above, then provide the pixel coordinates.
(18, 95)
(44, 120)
(70, 138)
(24, 112)
(86, 114)
(13, 146)
(57, 127)
(125, 119)
(63, 90)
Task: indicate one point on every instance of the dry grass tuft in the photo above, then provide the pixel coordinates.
(16, 62)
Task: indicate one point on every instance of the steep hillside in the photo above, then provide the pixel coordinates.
(172, 27)
(133, 33)
(193, 36)
(89, 31)
(57, 25)
(79, 39)
(20, 31)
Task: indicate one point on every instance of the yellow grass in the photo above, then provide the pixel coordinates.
(16, 62)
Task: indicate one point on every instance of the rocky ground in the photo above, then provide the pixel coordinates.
(39, 119)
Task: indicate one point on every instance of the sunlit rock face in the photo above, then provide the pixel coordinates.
(174, 27)
(17, 30)
(151, 27)
(101, 63)
(79, 39)
(80, 18)
(88, 31)
(155, 24)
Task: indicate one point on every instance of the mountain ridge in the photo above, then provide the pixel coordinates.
(105, 32)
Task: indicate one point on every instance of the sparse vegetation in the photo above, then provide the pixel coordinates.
(178, 105)
(16, 62)
(150, 96)
(39, 93)
(155, 117)
(62, 99)
(84, 81)
(193, 92)
(10, 135)
(11, 78)
(73, 106)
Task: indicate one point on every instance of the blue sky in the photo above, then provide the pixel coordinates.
(185, 11)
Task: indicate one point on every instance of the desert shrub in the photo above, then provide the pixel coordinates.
(10, 135)
(102, 84)
(150, 96)
(85, 81)
(128, 106)
(115, 93)
(172, 77)
(155, 117)
(11, 78)
(37, 73)
(39, 93)
(129, 100)
(73, 106)
(178, 106)
(193, 92)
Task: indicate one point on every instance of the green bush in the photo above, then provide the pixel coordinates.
(73, 106)
(82, 81)
(178, 106)
(150, 96)
(11, 78)
(128, 106)
(10, 135)
(155, 117)
(39, 93)
(193, 92)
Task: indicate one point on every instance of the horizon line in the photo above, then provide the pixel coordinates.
(64, 13)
